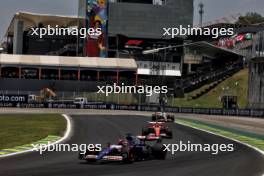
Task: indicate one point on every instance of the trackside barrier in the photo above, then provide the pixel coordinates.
(207, 111)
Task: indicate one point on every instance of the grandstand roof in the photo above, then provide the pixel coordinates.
(33, 19)
(211, 50)
(60, 61)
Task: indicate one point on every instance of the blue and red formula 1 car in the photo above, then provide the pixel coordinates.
(127, 150)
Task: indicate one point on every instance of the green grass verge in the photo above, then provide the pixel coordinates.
(212, 98)
(246, 137)
(47, 140)
(17, 130)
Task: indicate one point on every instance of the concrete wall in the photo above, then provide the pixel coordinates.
(256, 83)
(147, 20)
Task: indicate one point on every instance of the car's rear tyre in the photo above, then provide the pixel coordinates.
(172, 118)
(158, 152)
(128, 157)
(145, 132)
(81, 156)
(169, 134)
(153, 118)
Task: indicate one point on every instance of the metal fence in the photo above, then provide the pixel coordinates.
(153, 108)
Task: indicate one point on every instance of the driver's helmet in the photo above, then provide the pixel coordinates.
(129, 138)
(122, 142)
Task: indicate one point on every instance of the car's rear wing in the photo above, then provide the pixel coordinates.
(149, 138)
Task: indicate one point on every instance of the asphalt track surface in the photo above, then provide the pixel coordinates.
(102, 129)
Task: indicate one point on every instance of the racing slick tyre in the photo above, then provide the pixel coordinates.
(169, 134)
(158, 152)
(153, 118)
(172, 118)
(145, 131)
(81, 156)
(128, 157)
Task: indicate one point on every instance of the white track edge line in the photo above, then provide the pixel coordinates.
(248, 145)
(231, 139)
(66, 135)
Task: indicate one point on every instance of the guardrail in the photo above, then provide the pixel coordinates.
(207, 111)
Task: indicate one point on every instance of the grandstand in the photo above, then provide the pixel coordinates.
(32, 73)
(62, 63)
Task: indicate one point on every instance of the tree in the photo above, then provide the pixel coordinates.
(250, 18)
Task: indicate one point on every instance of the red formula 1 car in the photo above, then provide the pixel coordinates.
(156, 130)
(163, 117)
